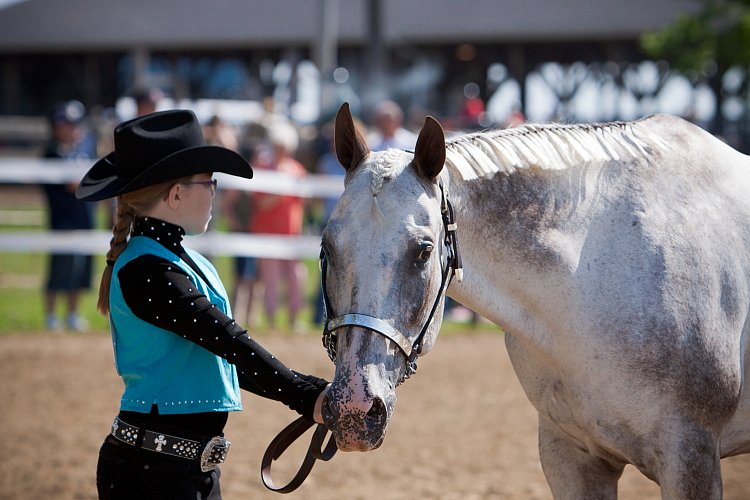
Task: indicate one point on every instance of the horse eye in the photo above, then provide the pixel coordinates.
(424, 255)
(325, 254)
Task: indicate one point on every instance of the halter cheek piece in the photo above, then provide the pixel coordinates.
(410, 350)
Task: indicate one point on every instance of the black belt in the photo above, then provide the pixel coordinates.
(211, 453)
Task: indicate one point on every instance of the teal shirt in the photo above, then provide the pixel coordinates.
(159, 366)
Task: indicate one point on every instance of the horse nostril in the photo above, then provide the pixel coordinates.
(378, 412)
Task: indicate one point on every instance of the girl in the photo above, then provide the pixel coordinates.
(181, 356)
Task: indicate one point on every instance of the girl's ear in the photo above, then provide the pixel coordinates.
(173, 196)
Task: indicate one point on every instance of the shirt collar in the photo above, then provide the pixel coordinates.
(168, 234)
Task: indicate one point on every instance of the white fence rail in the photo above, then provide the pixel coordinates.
(39, 171)
(211, 243)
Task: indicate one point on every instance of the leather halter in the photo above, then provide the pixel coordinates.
(453, 267)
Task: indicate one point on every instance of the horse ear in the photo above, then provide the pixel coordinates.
(351, 148)
(429, 155)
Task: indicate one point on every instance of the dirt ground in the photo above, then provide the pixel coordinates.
(463, 429)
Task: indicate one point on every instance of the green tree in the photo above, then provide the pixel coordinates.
(705, 44)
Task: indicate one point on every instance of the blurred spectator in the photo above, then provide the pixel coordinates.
(328, 164)
(388, 120)
(68, 275)
(146, 100)
(237, 211)
(472, 113)
(280, 214)
(219, 133)
(459, 313)
(235, 207)
(515, 118)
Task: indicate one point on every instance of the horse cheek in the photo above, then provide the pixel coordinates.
(414, 297)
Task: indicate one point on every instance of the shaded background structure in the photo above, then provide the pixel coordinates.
(564, 60)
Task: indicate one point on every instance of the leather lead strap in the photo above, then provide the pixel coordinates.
(283, 440)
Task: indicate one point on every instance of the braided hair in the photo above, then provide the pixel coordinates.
(128, 207)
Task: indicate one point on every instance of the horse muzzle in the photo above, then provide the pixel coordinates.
(357, 419)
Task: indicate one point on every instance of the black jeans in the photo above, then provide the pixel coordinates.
(127, 472)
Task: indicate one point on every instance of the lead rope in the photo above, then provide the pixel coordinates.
(292, 432)
(283, 440)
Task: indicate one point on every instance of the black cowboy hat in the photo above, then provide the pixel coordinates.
(155, 148)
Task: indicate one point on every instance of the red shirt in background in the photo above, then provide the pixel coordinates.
(279, 214)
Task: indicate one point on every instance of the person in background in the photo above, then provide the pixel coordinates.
(281, 214)
(235, 207)
(389, 132)
(68, 275)
(181, 356)
(220, 133)
(328, 164)
(471, 114)
(146, 100)
(516, 117)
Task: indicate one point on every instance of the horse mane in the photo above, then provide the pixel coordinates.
(384, 167)
(550, 146)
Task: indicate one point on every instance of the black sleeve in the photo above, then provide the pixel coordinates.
(161, 293)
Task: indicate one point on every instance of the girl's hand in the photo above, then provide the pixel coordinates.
(318, 409)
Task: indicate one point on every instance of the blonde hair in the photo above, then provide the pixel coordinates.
(129, 205)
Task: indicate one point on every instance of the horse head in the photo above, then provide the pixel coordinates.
(385, 267)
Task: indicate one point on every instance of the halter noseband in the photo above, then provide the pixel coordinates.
(411, 351)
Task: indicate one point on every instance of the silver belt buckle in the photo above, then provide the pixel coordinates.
(214, 453)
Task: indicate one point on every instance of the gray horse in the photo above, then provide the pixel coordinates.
(616, 258)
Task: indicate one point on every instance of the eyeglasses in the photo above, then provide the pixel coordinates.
(212, 183)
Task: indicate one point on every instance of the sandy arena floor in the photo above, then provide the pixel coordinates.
(463, 429)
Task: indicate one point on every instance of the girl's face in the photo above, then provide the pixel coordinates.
(197, 197)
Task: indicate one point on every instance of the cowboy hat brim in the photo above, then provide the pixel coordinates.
(101, 181)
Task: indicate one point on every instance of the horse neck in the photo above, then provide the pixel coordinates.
(513, 246)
